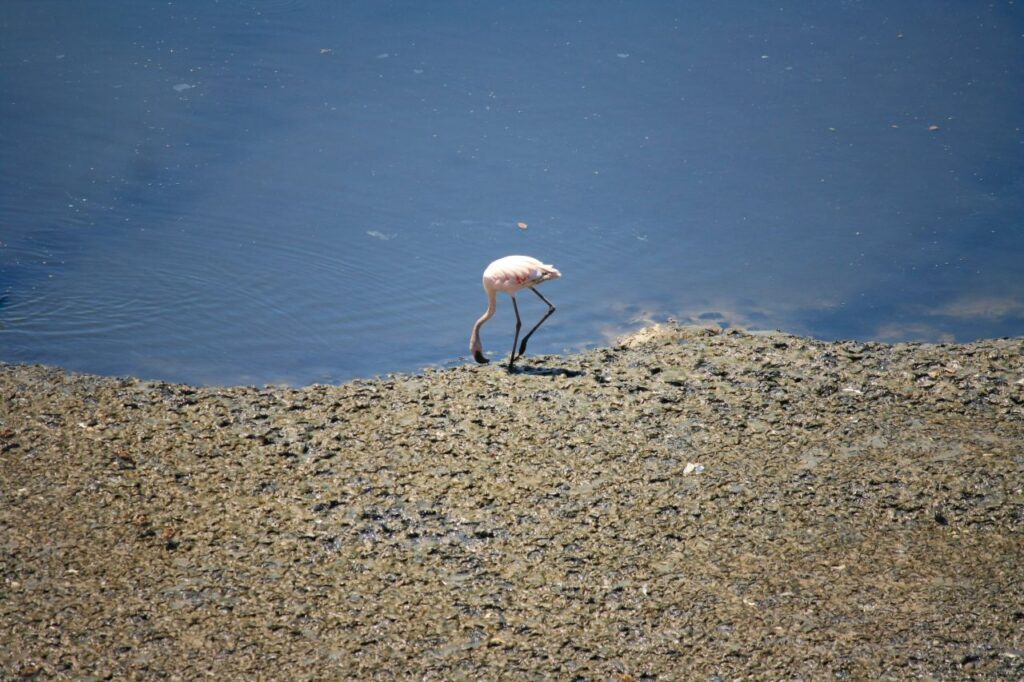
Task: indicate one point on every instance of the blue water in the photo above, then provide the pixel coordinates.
(289, 191)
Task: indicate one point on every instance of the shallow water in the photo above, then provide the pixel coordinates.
(298, 192)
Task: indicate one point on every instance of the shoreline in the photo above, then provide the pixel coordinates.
(686, 503)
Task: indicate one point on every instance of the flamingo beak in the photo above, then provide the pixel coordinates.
(479, 357)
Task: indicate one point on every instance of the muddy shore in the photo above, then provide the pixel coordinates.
(691, 504)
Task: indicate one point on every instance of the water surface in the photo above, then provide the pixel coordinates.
(290, 191)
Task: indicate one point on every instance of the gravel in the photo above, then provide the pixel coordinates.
(690, 503)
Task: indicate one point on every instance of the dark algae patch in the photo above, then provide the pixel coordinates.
(689, 504)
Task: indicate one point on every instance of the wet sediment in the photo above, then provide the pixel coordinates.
(691, 503)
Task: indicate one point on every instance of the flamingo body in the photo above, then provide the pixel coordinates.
(510, 275)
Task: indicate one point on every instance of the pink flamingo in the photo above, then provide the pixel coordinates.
(510, 274)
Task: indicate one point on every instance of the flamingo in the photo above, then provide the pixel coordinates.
(511, 274)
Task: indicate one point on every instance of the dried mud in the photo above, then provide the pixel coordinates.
(690, 504)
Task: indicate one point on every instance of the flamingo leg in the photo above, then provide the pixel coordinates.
(551, 309)
(515, 339)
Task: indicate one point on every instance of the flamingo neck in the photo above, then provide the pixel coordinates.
(474, 340)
